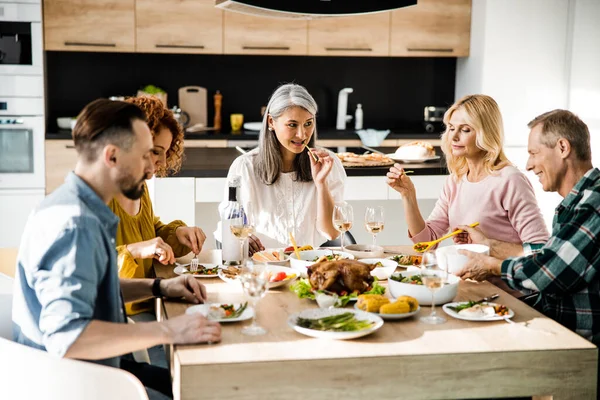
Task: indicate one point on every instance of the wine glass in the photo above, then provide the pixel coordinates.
(374, 218)
(342, 219)
(254, 278)
(433, 278)
(241, 225)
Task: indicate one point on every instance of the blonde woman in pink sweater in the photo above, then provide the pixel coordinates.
(483, 185)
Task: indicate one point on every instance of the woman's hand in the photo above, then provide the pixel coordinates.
(153, 248)
(320, 169)
(397, 180)
(192, 237)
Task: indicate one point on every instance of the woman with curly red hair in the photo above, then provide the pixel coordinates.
(141, 236)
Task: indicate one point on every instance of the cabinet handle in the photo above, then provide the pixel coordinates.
(265, 47)
(69, 146)
(431, 50)
(177, 46)
(90, 44)
(348, 49)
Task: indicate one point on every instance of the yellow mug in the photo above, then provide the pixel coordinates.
(237, 120)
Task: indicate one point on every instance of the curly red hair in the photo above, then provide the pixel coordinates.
(160, 117)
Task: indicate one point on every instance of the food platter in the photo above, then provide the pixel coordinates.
(392, 316)
(412, 160)
(447, 309)
(205, 309)
(183, 269)
(375, 321)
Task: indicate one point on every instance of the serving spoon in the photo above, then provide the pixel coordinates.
(422, 247)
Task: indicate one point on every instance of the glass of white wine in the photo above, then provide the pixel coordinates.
(242, 226)
(374, 218)
(342, 218)
(254, 279)
(433, 278)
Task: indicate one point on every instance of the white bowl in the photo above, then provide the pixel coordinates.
(450, 260)
(381, 273)
(423, 295)
(73, 123)
(283, 262)
(307, 258)
(64, 123)
(364, 251)
(274, 269)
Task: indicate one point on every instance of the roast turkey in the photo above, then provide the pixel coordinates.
(341, 276)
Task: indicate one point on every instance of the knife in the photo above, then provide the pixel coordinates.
(487, 299)
(372, 150)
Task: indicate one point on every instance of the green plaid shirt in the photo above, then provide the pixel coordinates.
(566, 270)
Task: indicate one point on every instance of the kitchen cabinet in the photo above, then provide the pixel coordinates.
(364, 35)
(248, 34)
(432, 28)
(89, 25)
(61, 158)
(178, 26)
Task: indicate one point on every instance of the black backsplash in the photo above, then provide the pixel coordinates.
(392, 91)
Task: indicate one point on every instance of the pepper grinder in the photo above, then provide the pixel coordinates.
(218, 98)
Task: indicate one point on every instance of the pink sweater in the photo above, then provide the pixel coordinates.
(503, 203)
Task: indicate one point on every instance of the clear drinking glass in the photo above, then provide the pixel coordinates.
(374, 218)
(433, 278)
(242, 226)
(254, 282)
(342, 218)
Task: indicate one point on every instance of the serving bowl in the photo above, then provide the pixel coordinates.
(364, 251)
(64, 123)
(384, 272)
(423, 295)
(450, 260)
(283, 261)
(307, 258)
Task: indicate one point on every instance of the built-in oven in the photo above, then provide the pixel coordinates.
(21, 47)
(21, 143)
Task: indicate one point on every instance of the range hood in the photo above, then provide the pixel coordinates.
(310, 9)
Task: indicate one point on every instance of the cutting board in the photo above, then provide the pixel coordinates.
(192, 100)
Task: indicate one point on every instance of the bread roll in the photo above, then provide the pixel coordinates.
(415, 150)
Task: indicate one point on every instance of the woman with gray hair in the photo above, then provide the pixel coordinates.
(287, 185)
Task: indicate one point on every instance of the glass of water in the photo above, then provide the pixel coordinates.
(254, 282)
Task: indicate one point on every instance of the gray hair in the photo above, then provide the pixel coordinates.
(268, 162)
(558, 124)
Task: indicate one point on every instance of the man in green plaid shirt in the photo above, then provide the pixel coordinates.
(565, 270)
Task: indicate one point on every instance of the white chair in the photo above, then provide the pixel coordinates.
(6, 290)
(28, 373)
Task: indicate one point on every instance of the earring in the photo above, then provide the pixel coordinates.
(271, 129)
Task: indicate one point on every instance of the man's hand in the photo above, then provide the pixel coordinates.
(254, 245)
(192, 328)
(192, 237)
(185, 286)
(473, 235)
(153, 248)
(479, 267)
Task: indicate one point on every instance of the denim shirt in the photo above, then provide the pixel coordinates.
(66, 270)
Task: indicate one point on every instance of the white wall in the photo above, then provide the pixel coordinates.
(534, 56)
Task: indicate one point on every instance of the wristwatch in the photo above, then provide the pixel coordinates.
(156, 292)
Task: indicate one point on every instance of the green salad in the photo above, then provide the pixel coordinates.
(413, 279)
(304, 290)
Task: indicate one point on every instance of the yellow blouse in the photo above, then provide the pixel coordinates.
(139, 228)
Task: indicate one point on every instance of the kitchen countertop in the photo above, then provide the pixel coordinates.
(325, 133)
(200, 162)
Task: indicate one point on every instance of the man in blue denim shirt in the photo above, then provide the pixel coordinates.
(68, 298)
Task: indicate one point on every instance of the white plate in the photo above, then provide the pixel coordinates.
(271, 268)
(392, 316)
(181, 269)
(412, 160)
(456, 315)
(320, 313)
(205, 308)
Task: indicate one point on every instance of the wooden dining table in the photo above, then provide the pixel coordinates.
(405, 359)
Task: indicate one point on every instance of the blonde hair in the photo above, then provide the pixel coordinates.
(483, 115)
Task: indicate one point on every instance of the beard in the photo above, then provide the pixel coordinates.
(131, 187)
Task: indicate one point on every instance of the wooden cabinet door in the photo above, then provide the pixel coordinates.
(89, 25)
(178, 26)
(61, 158)
(363, 35)
(432, 28)
(248, 34)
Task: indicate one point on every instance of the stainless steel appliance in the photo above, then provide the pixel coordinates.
(21, 47)
(433, 118)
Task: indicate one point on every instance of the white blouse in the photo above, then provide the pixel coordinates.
(285, 206)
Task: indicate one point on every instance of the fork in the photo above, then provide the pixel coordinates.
(194, 263)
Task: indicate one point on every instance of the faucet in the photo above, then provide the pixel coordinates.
(342, 110)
